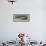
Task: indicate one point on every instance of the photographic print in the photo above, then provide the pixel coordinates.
(21, 17)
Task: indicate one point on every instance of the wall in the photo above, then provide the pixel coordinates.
(36, 27)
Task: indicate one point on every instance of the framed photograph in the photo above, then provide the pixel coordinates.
(21, 17)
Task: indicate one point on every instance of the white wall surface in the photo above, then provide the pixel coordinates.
(36, 27)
